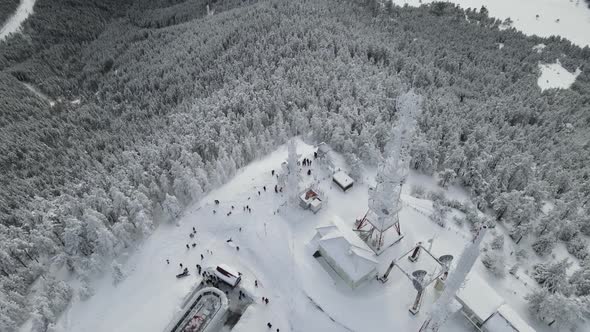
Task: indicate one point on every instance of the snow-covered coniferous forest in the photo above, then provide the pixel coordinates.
(353, 165)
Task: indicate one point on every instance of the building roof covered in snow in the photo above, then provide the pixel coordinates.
(507, 320)
(346, 249)
(478, 297)
(343, 180)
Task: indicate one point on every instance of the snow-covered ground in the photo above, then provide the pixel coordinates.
(573, 16)
(554, 76)
(13, 24)
(275, 250)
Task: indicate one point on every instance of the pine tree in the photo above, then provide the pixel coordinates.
(544, 244)
(171, 209)
(580, 279)
(446, 177)
(557, 309)
(552, 276)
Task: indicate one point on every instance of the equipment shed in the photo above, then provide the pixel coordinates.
(343, 181)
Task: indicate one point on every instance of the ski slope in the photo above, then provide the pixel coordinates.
(275, 250)
(13, 24)
(573, 16)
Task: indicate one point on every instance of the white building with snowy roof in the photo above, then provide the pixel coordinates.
(478, 299)
(487, 310)
(348, 256)
(311, 199)
(507, 320)
(343, 181)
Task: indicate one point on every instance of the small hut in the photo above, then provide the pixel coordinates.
(343, 181)
(310, 199)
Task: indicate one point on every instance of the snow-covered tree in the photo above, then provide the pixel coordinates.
(356, 167)
(543, 245)
(446, 177)
(171, 209)
(567, 230)
(494, 261)
(580, 279)
(117, 272)
(546, 224)
(497, 242)
(552, 276)
(86, 290)
(557, 309)
(439, 213)
(578, 247)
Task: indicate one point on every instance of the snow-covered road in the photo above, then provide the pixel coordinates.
(13, 24)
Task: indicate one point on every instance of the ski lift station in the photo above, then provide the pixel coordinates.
(343, 181)
(486, 310)
(339, 250)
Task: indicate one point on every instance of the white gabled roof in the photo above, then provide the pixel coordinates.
(351, 255)
(479, 297)
(342, 178)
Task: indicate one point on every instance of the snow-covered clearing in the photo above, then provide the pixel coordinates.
(554, 76)
(539, 47)
(274, 248)
(13, 24)
(566, 18)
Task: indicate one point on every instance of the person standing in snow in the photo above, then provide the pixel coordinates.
(187, 247)
(167, 261)
(202, 257)
(272, 173)
(264, 187)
